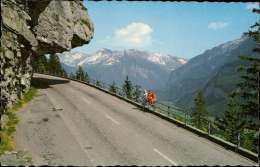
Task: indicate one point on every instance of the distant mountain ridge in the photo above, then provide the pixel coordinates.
(213, 72)
(149, 70)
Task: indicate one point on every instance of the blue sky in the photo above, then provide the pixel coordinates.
(183, 29)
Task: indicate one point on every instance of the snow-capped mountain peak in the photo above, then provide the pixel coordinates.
(71, 59)
(108, 57)
(96, 58)
(144, 68)
(182, 61)
(231, 45)
(157, 58)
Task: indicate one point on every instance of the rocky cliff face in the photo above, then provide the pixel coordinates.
(32, 28)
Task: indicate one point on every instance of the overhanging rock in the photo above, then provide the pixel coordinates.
(32, 28)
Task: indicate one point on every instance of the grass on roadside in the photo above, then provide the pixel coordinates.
(7, 143)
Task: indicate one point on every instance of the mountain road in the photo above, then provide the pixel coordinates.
(70, 123)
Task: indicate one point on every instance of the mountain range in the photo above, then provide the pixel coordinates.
(176, 80)
(214, 72)
(149, 70)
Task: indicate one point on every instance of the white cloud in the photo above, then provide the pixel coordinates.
(135, 34)
(217, 25)
(251, 6)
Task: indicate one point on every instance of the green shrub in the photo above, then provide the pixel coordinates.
(7, 142)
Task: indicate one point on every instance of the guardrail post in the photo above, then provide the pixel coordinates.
(185, 119)
(143, 107)
(238, 140)
(209, 128)
(153, 108)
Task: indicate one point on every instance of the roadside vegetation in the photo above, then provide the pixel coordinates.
(51, 65)
(240, 122)
(7, 142)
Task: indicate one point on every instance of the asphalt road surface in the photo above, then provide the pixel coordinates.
(69, 123)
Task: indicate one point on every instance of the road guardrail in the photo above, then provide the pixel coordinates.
(176, 115)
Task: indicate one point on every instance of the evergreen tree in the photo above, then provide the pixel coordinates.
(98, 84)
(232, 124)
(64, 73)
(137, 93)
(199, 115)
(86, 77)
(40, 64)
(127, 88)
(80, 74)
(249, 87)
(54, 65)
(249, 140)
(72, 76)
(113, 87)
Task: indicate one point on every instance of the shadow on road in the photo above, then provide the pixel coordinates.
(44, 83)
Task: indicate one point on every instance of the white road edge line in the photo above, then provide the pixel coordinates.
(112, 119)
(165, 157)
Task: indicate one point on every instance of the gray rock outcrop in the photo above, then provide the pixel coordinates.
(32, 28)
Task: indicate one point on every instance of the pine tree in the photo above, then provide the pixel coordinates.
(127, 88)
(80, 74)
(137, 93)
(72, 76)
(40, 64)
(86, 77)
(64, 73)
(232, 124)
(54, 65)
(113, 88)
(249, 87)
(199, 113)
(98, 84)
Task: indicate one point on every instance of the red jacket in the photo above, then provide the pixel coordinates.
(151, 97)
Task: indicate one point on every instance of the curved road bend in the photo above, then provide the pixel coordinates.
(70, 123)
